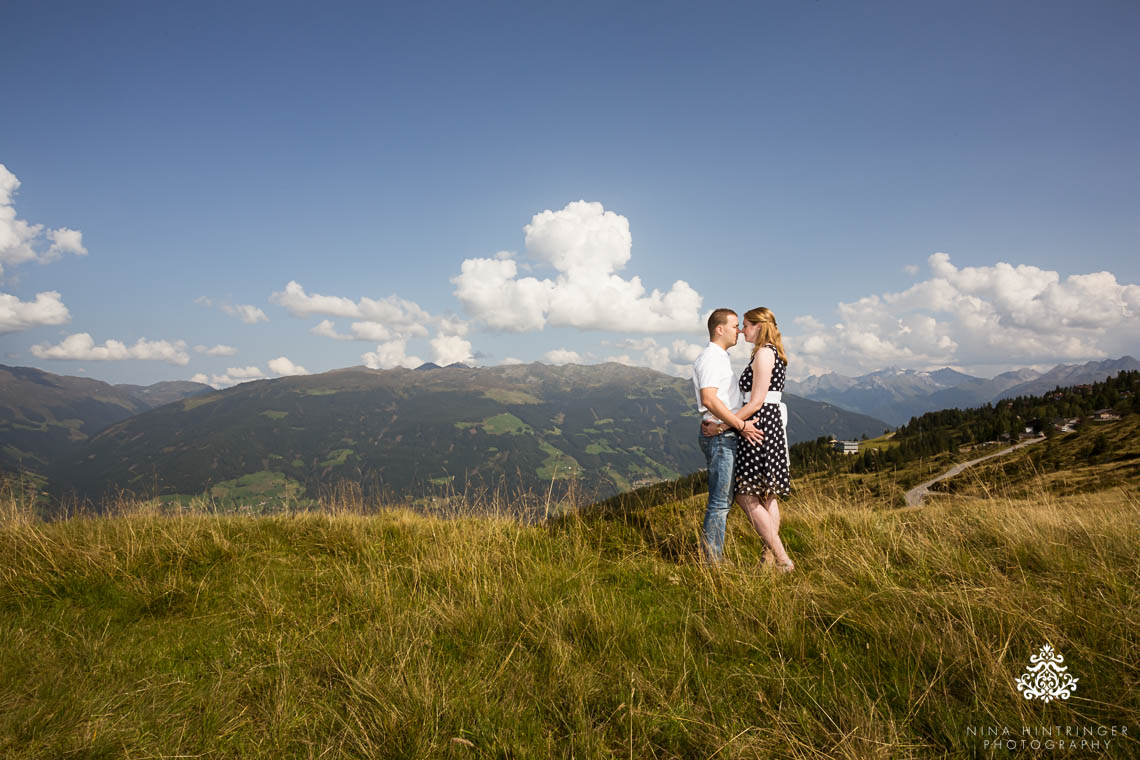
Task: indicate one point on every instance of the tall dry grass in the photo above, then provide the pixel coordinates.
(373, 631)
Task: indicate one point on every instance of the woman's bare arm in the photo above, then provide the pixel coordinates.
(762, 366)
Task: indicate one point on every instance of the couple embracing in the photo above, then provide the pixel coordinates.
(744, 429)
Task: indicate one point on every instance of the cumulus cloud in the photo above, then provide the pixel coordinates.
(81, 346)
(327, 329)
(978, 316)
(248, 313)
(562, 356)
(232, 376)
(586, 245)
(203, 301)
(401, 317)
(46, 309)
(673, 358)
(449, 349)
(218, 350)
(64, 240)
(282, 366)
(390, 354)
(245, 373)
(21, 241)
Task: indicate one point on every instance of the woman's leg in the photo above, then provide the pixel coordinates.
(772, 507)
(763, 524)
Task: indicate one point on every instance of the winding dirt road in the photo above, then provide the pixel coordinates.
(915, 495)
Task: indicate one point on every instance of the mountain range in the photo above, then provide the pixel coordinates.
(398, 431)
(43, 415)
(896, 395)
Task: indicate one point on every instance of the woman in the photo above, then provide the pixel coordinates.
(761, 470)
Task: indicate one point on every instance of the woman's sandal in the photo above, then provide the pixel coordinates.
(785, 567)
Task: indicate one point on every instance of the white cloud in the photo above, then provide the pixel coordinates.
(233, 376)
(245, 373)
(21, 241)
(371, 332)
(326, 329)
(218, 350)
(511, 361)
(47, 309)
(282, 366)
(403, 318)
(978, 316)
(586, 245)
(562, 356)
(675, 359)
(200, 377)
(449, 349)
(81, 346)
(389, 355)
(911, 269)
(64, 240)
(203, 301)
(249, 314)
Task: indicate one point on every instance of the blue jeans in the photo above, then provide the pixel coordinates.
(720, 452)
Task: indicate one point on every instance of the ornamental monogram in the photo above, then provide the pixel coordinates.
(1046, 677)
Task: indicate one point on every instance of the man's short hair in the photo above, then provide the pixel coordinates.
(718, 318)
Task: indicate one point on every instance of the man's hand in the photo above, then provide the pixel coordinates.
(751, 434)
(709, 428)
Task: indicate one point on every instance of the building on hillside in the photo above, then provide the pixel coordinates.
(846, 447)
(1105, 415)
(1065, 424)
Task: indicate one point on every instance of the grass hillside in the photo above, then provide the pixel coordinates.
(1096, 456)
(390, 634)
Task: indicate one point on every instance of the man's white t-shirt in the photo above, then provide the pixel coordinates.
(713, 369)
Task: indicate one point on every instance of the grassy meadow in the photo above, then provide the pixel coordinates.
(364, 632)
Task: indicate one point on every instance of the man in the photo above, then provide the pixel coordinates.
(718, 398)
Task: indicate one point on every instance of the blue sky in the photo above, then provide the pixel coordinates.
(910, 184)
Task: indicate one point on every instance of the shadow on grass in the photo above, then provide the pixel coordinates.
(652, 512)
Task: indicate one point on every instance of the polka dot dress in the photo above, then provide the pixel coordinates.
(763, 469)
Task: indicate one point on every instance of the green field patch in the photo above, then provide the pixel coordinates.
(504, 396)
(601, 448)
(336, 457)
(256, 485)
(273, 414)
(298, 462)
(196, 401)
(505, 423)
(317, 392)
(882, 443)
(558, 464)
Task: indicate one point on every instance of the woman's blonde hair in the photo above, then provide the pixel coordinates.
(769, 332)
